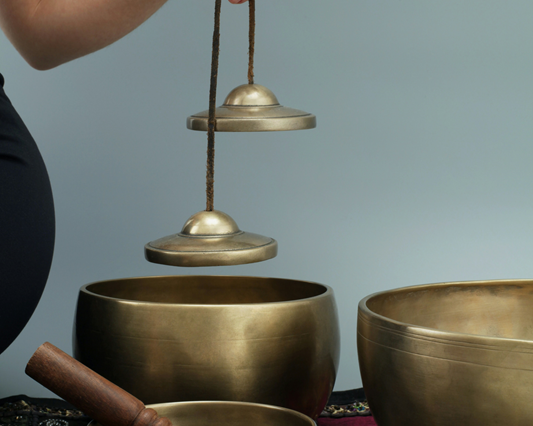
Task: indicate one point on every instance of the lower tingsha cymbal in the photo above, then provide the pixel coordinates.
(211, 238)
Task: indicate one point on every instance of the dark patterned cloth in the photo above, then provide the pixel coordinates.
(346, 408)
(21, 410)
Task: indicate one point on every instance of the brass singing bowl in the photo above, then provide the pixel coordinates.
(225, 413)
(449, 354)
(194, 338)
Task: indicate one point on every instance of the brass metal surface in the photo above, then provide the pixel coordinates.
(253, 108)
(211, 238)
(449, 354)
(184, 338)
(224, 413)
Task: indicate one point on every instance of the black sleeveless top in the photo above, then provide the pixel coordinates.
(27, 223)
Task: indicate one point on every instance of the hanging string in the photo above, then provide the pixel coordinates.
(251, 39)
(210, 176)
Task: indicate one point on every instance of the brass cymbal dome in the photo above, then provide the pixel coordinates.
(251, 95)
(206, 223)
(211, 238)
(253, 108)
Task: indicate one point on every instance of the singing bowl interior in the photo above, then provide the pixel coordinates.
(206, 290)
(216, 413)
(192, 338)
(449, 353)
(496, 309)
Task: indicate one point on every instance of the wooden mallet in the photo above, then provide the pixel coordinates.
(96, 396)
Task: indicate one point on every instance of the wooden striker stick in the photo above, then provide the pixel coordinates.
(88, 391)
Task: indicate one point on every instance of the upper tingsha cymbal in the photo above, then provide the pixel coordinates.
(253, 108)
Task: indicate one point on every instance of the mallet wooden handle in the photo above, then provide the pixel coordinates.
(88, 391)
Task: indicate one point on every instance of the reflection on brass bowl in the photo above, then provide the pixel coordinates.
(449, 354)
(196, 338)
(203, 413)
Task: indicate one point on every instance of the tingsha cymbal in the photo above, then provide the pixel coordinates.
(253, 108)
(211, 238)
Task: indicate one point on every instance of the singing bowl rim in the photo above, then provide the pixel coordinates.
(294, 413)
(327, 293)
(449, 337)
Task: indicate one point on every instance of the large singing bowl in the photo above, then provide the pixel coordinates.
(449, 354)
(186, 338)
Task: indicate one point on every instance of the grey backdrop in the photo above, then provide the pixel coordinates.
(419, 171)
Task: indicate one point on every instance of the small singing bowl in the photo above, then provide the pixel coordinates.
(225, 413)
(221, 338)
(449, 354)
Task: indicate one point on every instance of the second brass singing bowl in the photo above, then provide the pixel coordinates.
(220, 413)
(191, 338)
(449, 354)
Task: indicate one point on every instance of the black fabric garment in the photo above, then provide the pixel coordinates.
(347, 397)
(27, 223)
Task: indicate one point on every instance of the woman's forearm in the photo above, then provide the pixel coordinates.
(48, 33)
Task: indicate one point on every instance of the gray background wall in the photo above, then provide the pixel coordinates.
(419, 170)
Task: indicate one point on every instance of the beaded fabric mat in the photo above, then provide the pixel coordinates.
(21, 410)
(345, 408)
